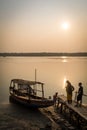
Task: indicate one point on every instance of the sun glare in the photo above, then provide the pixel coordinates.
(64, 59)
(65, 25)
(64, 82)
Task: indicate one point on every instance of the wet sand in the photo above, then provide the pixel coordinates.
(15, 117)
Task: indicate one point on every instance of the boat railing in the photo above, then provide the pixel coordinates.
(25, 92)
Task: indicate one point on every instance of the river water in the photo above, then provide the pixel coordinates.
(53, 71)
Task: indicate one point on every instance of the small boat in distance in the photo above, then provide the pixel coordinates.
(28, 93)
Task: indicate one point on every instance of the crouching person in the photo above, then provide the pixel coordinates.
(55, 96)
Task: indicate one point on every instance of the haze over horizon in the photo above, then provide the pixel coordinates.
(43, 26)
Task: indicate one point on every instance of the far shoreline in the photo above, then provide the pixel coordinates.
(43, 54)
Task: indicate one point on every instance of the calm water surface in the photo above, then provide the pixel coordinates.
(52, 71)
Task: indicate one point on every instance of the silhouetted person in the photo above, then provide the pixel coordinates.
(55, 98)
(69, 90)
(79, 95)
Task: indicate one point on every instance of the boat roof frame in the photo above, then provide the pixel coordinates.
(26, 82)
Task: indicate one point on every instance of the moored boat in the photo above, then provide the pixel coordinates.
(28, 93)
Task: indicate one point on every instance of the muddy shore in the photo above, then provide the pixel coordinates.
(14, 117)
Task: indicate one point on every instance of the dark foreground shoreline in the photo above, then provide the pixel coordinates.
(44, 54)
(15, 117)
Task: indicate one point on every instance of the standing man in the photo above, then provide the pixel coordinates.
(79, 96)
(69, 90)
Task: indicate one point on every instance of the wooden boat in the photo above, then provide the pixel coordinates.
(28, 93)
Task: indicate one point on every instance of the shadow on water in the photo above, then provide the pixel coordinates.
(20, 117)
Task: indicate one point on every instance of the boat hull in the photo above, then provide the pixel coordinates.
(32, 103)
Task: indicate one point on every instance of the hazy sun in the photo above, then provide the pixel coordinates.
(65, 25)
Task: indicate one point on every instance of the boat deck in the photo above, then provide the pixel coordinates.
(27, 98)
(76, 115)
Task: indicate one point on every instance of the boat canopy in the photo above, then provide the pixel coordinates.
(26, 82)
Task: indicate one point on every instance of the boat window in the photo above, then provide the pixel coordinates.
(16, 86)
(36, 89)
(12, 84)
(24, 86)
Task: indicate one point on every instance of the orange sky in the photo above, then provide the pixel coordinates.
(36, 26)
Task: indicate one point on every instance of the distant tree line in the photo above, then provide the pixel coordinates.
(44, 54)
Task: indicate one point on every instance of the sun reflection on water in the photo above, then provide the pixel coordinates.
(64, 59)
(64, 82)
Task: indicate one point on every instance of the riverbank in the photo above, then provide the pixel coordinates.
(43, 54)
(14, 117)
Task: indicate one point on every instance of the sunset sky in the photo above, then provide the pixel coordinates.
(43, 25)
